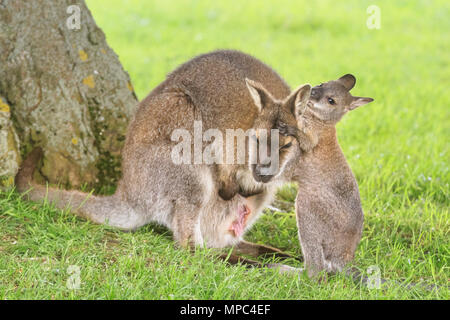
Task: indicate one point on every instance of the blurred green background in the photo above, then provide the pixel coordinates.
(404, 66)
(397, 146)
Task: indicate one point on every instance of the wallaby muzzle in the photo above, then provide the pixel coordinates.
(316, 93)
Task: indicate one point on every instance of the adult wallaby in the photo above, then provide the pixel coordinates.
(213, 90)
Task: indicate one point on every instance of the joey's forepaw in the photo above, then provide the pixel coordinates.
(286, 130)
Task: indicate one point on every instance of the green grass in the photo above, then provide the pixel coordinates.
(397, 147)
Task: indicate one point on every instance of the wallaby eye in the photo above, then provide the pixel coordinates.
(331, 101)
(287, 145)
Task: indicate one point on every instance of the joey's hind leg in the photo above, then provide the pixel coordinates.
(313, 254)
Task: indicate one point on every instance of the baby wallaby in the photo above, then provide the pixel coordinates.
(328, 206)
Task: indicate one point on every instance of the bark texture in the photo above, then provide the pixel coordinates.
(61, 88)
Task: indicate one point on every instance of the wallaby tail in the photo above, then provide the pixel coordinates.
(99, 209)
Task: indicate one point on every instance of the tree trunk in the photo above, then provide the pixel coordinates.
(62, 88)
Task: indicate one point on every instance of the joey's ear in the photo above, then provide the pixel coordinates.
(259, 94)
(359, 101)
(348, 81)
(298, 99)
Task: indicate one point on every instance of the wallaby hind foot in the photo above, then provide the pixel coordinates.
(257, 250)
(234, 259)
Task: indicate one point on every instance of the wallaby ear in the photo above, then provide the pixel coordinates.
(298, 99)
(258, 93)
(359, 101)
(348, 81)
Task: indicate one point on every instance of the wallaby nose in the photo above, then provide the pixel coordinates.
(258, 176)
(315, 94)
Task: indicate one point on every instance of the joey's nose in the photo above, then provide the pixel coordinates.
(315, 94)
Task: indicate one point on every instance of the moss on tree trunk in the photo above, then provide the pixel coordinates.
(62, 88)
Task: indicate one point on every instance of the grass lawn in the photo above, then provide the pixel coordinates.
(397, 146)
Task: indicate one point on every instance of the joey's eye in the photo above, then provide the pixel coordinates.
(287, 145)
(331, 101)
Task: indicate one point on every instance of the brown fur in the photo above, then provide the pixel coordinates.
(328, 206)
(211, 88)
